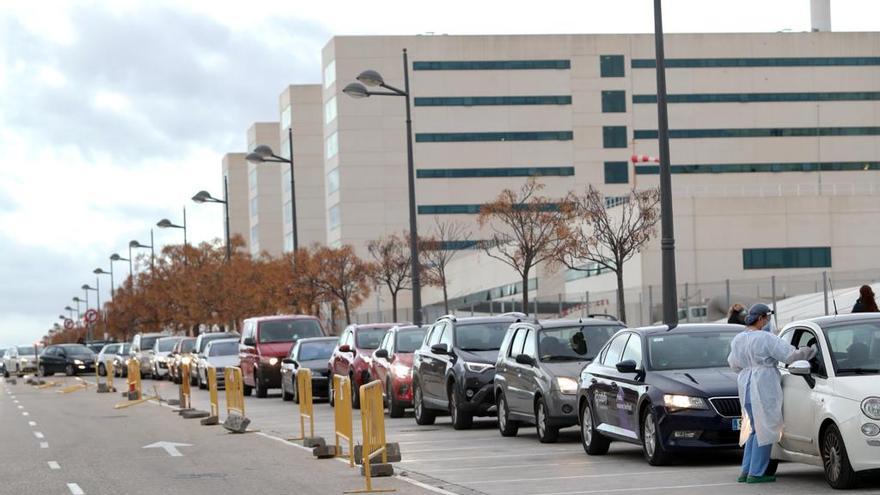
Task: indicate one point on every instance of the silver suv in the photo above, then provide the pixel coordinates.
(142, 349)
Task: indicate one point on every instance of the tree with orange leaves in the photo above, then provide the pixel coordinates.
(391, 265)
(342, 276)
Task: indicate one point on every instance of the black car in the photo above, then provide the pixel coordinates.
(71, 359)
(311, 353)
(538, 368)
(669, 390)
(454, 369)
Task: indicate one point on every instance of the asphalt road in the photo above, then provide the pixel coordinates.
(101, 450)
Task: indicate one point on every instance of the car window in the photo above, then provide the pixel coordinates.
(187, 345)
(575, 343)
(163, 345)
(26, 351)
(436, 332)
(615, 350)
(369, 338)
(633, 350)
(223, 349)
(148, 342)
(804, 337)
(385, 340)
(516, 344)
(446, 336)
(316, 350)
(409, 340)
(704, 349)
(530, 347)
(854, 347)
(480, 336)
(79, 350)
(125, 349)
(288, 330)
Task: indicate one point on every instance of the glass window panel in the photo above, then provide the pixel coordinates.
(285, 117)
(614, 137)
(798, 257)
(616, 172)
(459, 173)
(613, 101)
(702, 63)
(448, 137)
(760, 132)
(469, 101)
(330, 110)
(761, 97)
(491, 64)
(331, 146)
(333, 181)
(333, 216)
(611, 66)
(330, 74)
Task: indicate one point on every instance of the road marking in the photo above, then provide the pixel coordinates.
(32, 423)
(423, 485)
(44, 445)
(515, 466)
(170, 447)
(642, 488)
(20, 407)
(54, 465)
(39, 434)
(25, 414)
(572, 450)
(15, 402)
(443, 459)
(552, 478)
(75, 489)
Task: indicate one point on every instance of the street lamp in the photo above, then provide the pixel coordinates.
(70, 311)
(166, 224)
(136, 244)
(264, 154)
(77, 300)
(116, 257)
(87, 288)
(359, 90)
(667, 236)
(100, 271)
(205, 197)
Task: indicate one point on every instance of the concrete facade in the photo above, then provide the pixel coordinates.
(235, 173)
(264, 194)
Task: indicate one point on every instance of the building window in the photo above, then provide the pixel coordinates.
(614, 136)
(616, 173)
(492, 65)
(330, 74)
(333, 181)
(333, 217)
(761, 97)
(252, 177)
(254, 205)
(285, 181)
(453, 245)
(285, 118)
(448, 137)
(472, 101)
(284, 152)
(797, 257)
(613, 101)
(588, 270)
(472, 209)
(740, 168)
(470, 173)
(760, 132)
(330, 110)
(611, 66)
(331, 146)
(702, 63)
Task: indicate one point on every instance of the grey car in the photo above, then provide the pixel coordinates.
(537, 371)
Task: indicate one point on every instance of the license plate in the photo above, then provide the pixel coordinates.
(737, 424)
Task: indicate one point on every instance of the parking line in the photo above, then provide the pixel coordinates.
(39, 434)
(643, 488)
(20, 407)
(481, 447)
(54, 465)
(513, 466)
(423, 485)
(15, 401)
(44, 445)
(552, 478)
(32, 423)
(443, 459)
(25, 413)
(75, 489)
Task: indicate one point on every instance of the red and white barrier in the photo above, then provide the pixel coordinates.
(644, 159)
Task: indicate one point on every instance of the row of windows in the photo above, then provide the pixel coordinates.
(333, 181)
(697, 63)
(469, 101)
(761, 97)
(590, 269)
(734, 168)
(796, 257)
(457, 245)
(462, 173)
(448, 137)
(472, 209)
(492, 64)
(761, 132)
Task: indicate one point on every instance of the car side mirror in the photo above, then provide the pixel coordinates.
(249, 341)
(345, 348)
(803, 368)
(440, 348)
(381, 353)
(525, 359)
(628, 366)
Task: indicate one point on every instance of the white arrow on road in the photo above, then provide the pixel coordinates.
(170, 447)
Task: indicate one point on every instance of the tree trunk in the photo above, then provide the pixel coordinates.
(347, 312)
(525, 294)
(445, 297)
(621, 302)
(393, 306)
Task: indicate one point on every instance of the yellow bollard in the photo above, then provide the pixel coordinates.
(184, 390)
(373, 426)
(234, 391)
(306, 410)
(212, 392)
(107, 384)
(342, 415)
(135, 396)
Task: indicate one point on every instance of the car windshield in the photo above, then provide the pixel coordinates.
(480, 336)
(125, 348)
(214, 336)
(289, 330)
(855, 347)
(187, 345)
(26, 351)
(96, 348)
(316, 350)
(79, 350)
(578, 343)
(704, 349)
(370, 338)
(223, 349)
(148, 342)
(410, 340)
(166, 345)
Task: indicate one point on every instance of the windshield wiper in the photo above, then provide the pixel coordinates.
(476, 349)
(859, 371)
(563, 358)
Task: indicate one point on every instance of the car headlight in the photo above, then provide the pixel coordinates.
(567, 385)
(477, 367)
(273, 361)
(871, 407)
(674, 402)
(400, 369)
(23, 360)
(77, 361)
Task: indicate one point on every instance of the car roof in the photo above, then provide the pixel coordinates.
(399, 328)
(317, 339)
(281, 317)
(831, 319)
(503, 318)
(174, 337)
(371, 326)
(563, 323)
(71, 345)
(216, 341)
(687, 328)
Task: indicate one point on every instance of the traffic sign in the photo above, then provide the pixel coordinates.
(92, 315)
(68, 323)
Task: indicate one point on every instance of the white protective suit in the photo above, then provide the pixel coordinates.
(755, 355)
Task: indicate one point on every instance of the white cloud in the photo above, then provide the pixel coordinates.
(111, 100)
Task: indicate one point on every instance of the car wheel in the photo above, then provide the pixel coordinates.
(838, 471)
(245, 389)
(460, 419)
(69, 370)
(593, 441)
(547, 433)
(423, 415)
(192, 380)
(102, 370)
(259, 388)
(285, 395)
(5, 374)
(506, 426)
(651, 445)
(395, 410)
(355, 394)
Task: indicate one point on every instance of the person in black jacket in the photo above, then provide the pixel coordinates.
(865, 303)
(737, 314)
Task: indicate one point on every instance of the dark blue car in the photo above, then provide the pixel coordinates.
(670, 391)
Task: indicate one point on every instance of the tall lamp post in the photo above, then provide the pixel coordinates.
(205, 197)
(70, 311)
(116, 257)
(135, 245)
(87, 288)
(264, 154)
(101, 271)
(167, 224)
(667, 236)
(77, 300)
(359, 90)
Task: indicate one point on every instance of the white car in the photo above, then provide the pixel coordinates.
(161, 354)
(219, 354)
(107, 354)
(831, 404)
(20, 359)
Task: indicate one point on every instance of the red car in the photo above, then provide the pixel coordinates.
(353, 354)
(392, 366)
(265, 341)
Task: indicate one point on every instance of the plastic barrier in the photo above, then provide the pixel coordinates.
(373, 429)
(214, 418)
(134, 394)
(107, 384)
(236, 421)
(184, 390)
(79, 385)
(306, 409)
(342, 415)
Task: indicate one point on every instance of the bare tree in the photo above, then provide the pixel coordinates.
(438, 251)
(343, 276)
(527, 229)
(391, 265)
(611, 235)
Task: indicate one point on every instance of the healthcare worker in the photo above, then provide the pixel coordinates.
(755, 354)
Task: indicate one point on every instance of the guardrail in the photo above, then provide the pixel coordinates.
(306, 408)
(107, 385)
(342, 416)
(373, 431)
(236, 421)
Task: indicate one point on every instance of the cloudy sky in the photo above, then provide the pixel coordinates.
(114, 113)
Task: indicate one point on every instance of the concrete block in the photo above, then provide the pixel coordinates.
(173, 402)
(312, 442)
(236, 424)
(182, 410)
(132, 395)
(379, 470)
(12, 381)
(324, 452)
(194, 414)
(393, 453)
(210, 421)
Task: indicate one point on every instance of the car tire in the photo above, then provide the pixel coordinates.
(508, 427)
(102, 371)
(838, 470)
(593, 441)
(245, 389)
(652, 447)
(69, 370)
(5, 374)
(355, 394)
(423, 415)
(260, 390)
(330, 393)
(395, 409)
(460, 419)
(192, 380)
(547, 433)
